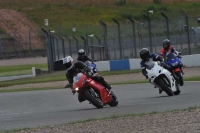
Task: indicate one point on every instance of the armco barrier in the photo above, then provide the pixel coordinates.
(191, 60)
(131, 64)
(103, 65)
(135, 63)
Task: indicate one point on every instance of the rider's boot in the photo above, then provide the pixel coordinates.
(108, 87)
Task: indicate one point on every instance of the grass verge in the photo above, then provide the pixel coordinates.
(29, 89)
(20, 69)
(57, 76)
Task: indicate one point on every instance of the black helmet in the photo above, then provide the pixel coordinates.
(166, 44)
(144, 54)
(81, 52)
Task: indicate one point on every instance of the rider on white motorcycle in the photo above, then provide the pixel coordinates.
(146, 56)
(75, 67)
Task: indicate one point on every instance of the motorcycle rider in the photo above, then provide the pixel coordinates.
(168, 48)
(74, 68)
(146, 56)
(82, 56)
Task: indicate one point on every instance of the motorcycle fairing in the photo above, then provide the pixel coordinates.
(82, 82)
(173, 61)
(103, 93)
(154, 70)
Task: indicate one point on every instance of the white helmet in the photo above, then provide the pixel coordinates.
(68, 62)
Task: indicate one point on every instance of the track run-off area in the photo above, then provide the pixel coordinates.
(30, 109)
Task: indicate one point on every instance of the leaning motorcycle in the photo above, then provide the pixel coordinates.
(95, 93)
(174, 61)
(161, 78)
(92, 65)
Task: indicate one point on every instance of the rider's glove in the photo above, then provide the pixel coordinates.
(178, 54)
(89, 74)
(73, 91)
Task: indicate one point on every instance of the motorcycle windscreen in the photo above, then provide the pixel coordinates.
(149, 64)
(87, 63)
(170, 56)
(172, 60)
(77, 77)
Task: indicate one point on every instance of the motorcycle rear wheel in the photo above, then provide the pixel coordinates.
(164, 87)
(114, 101)
(89, 94)
(179, 75)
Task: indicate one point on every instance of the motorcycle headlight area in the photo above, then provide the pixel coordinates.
(76, 89)
(175, 64)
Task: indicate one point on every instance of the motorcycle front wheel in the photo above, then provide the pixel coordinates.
(92, 96)
(114, 101)
(164, 86)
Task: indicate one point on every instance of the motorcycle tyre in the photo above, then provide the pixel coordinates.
(179, 75)
(164, 87)
(114, 101)
(178, 91)
(92, 99)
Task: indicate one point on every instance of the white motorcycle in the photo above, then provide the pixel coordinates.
(161, 78)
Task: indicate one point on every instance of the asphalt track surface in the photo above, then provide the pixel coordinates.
(51, 107)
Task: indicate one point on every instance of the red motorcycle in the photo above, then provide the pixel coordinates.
(92, 91)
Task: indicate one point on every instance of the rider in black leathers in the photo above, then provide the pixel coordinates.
(82, 57)
(74, 68)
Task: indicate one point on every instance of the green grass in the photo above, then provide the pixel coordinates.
(29, 89)
(119, 72)
(36, 80)
(16, 73)
(47, 78)
(70, 13)
(20, 69)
